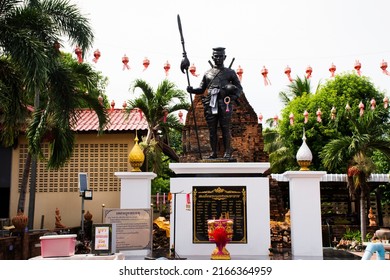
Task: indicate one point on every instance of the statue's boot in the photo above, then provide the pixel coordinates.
(213, 144)
(226, 142)
(228, 154)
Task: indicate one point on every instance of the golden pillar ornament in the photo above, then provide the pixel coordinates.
(136, 156)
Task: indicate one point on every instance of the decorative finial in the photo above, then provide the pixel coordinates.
(136, 155)
(304, 155)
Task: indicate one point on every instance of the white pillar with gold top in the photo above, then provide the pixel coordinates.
(136, 185)
(305, 206)
(305, 213)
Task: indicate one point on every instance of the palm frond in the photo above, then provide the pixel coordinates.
(70, 22)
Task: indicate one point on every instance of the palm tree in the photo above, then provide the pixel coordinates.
(280, 155)
(369, 133)
(30, 32)
(157, 107)
(297, 88)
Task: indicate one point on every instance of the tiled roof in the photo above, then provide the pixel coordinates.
(119, 120)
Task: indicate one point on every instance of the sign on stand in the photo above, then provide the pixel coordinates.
(133, 228)
(102, 239)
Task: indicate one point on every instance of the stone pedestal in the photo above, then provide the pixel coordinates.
(250, 175)
(135, 189)
(305, 213)
(135, 194)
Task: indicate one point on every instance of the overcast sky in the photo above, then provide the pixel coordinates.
(273, 34)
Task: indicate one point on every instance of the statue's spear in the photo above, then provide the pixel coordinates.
(185, 64)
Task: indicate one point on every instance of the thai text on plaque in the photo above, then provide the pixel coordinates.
(215, 202)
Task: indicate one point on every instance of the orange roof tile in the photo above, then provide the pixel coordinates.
(119, 120)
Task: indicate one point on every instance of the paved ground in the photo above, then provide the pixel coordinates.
(329, 254)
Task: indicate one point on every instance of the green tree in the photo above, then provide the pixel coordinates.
(157, 107)
(280, 155)
(353, 140)
(280, 150)
(354, 153)
(344, 91)
(30, 32)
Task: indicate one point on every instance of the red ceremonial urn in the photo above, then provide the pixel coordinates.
(220, 231)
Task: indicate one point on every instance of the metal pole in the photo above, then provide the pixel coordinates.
(82, 213)
(103, 205)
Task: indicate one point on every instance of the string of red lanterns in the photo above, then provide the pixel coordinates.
(332, 70)
(309, 71)
(264, 72)
(125, 61)
(357, 67)
(333, 111)
(96, 55)
(384, 67)
(193, 70)
(79, 53)
(239, 72)
(287, 71)
(145, 63)
(167, 66)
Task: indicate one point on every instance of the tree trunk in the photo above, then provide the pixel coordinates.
(23, 186)
(33, 187)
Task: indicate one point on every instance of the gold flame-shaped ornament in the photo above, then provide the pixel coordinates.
(136, 156)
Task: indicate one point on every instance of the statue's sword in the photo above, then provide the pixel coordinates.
(185, 64)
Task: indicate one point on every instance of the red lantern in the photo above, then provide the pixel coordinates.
(276, 118)
(165, 115)
(261, 117)
(112, 105)
(373, 104)
(333, 113)
(96, 55)
(361, 108)
(146, 63)
(287, 71)
(167, 66)
(319, 114)
(291, 117)
(100, 98)
(125, 61)
(180, 114)
(386, 102)
(332, 69)
(193, 70)
(124, 105)
(384, 67)
(264, 72)
(309, 70)
(79, 53)
(357, 67)
(306, 116)
(240, 71)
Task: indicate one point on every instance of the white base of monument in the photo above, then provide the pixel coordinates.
(256, 241)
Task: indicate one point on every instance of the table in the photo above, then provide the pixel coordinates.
(113, 257)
